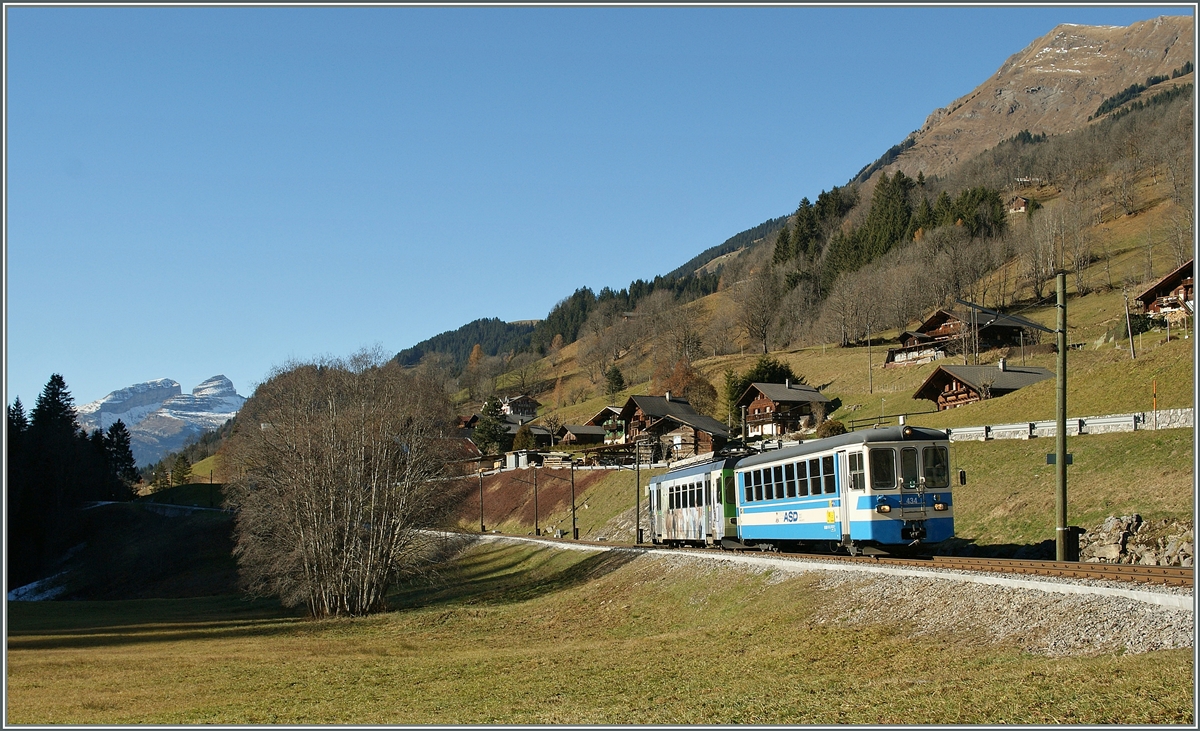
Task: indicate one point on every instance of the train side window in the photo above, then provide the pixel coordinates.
(883, 469)
(768, 486)
(692, 495)
(908, 467)
(937, 468)
(758, 485)
(830, 478)
(749, 490)
(814, 476)
(670, 497)
(730, 497)
(802, 478)
(789, 476)
(779, 481)
(858, 479)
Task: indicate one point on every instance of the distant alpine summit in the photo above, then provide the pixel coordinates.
(160, 417)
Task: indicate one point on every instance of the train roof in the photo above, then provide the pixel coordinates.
(695, 469)
(883, 434)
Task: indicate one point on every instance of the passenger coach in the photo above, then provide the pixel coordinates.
(888, 486)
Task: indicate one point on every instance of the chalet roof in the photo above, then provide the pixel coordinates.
(604, 415)
(1005, 380)
(1167, 283)
(512, 427)
(656, 406)
(986, 320)
(783, 393)
(675, 409)
(519, 399)
(580, 430)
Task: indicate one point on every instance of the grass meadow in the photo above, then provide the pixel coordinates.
(523, 635)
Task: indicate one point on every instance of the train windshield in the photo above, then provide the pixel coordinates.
(883, 469)
(937, 468)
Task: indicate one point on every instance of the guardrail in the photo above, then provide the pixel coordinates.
(1137, 421)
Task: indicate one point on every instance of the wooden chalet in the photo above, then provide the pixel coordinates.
(774, 409)
(1173, 296)
(671, 426)
(609, 419)
(946, 330)
(522, 405)
(580, 434)
(951, 386)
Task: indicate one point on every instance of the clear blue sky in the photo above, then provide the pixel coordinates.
(199, 191)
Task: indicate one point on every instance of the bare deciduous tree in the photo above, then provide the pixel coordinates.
(335, 474)
(757, 303)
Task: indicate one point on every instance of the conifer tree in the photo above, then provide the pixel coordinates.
(490, 431)
(181, 470)
(120, 455)
(524, 438)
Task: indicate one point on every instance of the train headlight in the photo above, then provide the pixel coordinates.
(883, 508)
(907, 432)
(939, 506)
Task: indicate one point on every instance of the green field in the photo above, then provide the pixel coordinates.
(530, 635)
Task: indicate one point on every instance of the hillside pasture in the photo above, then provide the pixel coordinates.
(531, 635)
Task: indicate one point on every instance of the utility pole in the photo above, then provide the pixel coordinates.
(1128, 327)
(536, 530)
(1060, 433)
(574, 530)
(637, 491)
(870, 382)
(481, 528)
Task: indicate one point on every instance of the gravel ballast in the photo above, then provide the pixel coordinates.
(1057, 618)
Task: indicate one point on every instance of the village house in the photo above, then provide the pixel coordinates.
(1173, 296)
(671, 426)
(775, 409)
(951, 386)
(947, 331)
(1018, 204)
(580, 434)
(609, 419)
(522, 405)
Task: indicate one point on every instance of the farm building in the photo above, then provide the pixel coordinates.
(951, 386)
(522, 405)
(773, 409)
(580, 434)
(1173, 296)
(947, 331)
(672, 425)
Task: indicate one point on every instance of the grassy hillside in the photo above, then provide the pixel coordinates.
(523, 635)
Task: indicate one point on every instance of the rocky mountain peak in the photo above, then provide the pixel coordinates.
(1052, 86)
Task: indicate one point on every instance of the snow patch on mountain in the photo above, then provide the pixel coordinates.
(160, 417)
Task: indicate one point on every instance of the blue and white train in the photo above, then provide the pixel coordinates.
(877, 487)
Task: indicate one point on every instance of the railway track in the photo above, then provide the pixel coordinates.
(1164, 575)
(1161, 575)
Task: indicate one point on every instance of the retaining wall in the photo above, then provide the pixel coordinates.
(1137, 421)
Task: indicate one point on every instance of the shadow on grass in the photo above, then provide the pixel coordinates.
(63, 625)
(502, 575)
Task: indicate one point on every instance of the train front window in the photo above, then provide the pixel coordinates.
(830, 478)
(729, 490)
(883, 469)
(858, 479)
(937, 468)
(908, 467)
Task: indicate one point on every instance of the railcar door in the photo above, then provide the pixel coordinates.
(912, 499)
(843, 469)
